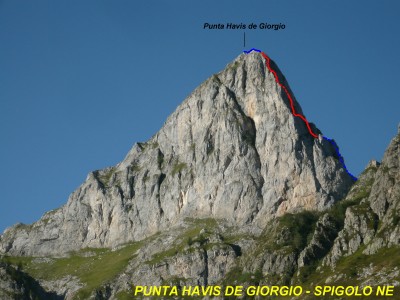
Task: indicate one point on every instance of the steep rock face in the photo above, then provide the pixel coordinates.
(373, 223)
(347, 244)
(321, 242)
(385, 196)
(15, 284)
(232, 150)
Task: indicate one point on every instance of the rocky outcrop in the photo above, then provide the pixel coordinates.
(359, 222)
(325, 232)
(373, 222)
(15, 284)
(232, 150)
(231, 190)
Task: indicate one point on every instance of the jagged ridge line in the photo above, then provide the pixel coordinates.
(333, 143)
(268, 64)
(335, 146)
(252, 49)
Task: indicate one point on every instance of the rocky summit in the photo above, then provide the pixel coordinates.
(233, 189)
(232, 150)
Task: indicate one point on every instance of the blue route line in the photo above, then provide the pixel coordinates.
(340, 157)
(333, 143)
(252, 49)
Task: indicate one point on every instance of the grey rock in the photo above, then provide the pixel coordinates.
(65, 287)
(321, 242)
(9, 288)
(208, 196)
(232, 150)
(15, 284)
(279, 263)
(374, 221)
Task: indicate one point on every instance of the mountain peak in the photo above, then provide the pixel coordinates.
(233, 150)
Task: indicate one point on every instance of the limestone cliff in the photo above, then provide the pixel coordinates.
(232, 150)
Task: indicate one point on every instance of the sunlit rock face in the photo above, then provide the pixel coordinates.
(232, 150)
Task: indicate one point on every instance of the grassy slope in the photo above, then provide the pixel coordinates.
(95, 267)
(92, 271)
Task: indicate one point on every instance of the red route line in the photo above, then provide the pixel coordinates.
(268, 64)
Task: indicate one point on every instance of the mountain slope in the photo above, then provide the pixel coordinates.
(232, 150)
(353, 243)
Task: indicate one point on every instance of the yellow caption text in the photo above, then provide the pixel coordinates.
(264, 290)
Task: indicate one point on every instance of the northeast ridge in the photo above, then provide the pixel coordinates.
(314, 135)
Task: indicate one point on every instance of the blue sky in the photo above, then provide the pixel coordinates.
(82, 81)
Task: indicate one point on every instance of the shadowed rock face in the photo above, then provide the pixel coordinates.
(15, 284)
(374, 223)
(231, 150)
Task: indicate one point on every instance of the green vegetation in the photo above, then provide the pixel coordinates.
(364, 190)
(385, 259)
(216, 79)
(237, 276)
(338, 211)
(124, 295)
(395, 219)
(235, 65)
(106, 175)
(370, 169)
(187, 239)
(178, 167)
(21, 226)
(201, 239)
(161, 256)
(45, 220)
(93, 267)
(146, 177)
(365, 210)
(174, 281)
(135, 167)
(205, 223)
(286, 235)
(142, 146)
(148, 145)
(31, 288)
(299, 226)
